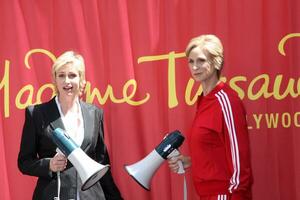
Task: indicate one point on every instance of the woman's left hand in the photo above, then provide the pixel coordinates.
(58, 163)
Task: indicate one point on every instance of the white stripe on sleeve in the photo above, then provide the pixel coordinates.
(229, 120)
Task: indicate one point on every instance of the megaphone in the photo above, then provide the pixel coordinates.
(90, 171)
(143, 170)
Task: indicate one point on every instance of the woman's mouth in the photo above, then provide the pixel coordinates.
(68, 88)
(197, 74)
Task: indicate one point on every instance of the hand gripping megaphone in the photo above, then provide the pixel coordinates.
(143, 170)
(90, 171)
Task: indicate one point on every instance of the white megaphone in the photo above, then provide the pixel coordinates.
(89, 170)
(143, 170)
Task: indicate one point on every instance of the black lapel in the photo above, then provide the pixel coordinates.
(88, 121)
(53, 115)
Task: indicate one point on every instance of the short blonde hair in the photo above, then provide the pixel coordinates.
(212, 45)
(74, 58)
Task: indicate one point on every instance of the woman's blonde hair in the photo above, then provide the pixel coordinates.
(74, 58)
(210, 44)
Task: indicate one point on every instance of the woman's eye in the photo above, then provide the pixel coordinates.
(201, 60)
(60, 75)
(72, 75)
(191, 61)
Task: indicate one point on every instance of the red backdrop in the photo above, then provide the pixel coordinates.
(137, 73)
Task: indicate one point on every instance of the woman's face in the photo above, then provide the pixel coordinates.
(67, 80)
(201, 69)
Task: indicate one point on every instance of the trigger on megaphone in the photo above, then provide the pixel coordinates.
(59, 151)
(143, 170)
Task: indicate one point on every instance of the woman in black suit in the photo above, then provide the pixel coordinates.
(82, 121)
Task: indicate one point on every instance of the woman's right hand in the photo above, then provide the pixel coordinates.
(173, 162)
(58, 163)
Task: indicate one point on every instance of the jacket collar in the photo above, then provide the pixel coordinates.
(56, 121)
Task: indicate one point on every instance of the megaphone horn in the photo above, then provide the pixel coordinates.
(143, 170)
(90, 171)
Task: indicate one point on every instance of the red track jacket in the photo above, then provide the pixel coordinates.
(219, 144)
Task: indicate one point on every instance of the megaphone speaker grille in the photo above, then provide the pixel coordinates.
(89, 170)
(94, 178)
(143, 170)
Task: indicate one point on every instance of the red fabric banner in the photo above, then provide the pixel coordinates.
(5, 194)
(137, 72)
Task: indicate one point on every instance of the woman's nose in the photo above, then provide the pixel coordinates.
(195, 67)
(67, 80)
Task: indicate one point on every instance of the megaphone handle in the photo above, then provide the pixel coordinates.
(59, 151)
(181, 169)
(175, 152)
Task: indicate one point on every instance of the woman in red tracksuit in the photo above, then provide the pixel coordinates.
(218, 140)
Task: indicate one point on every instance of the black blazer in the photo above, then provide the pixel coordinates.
(37, 148)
